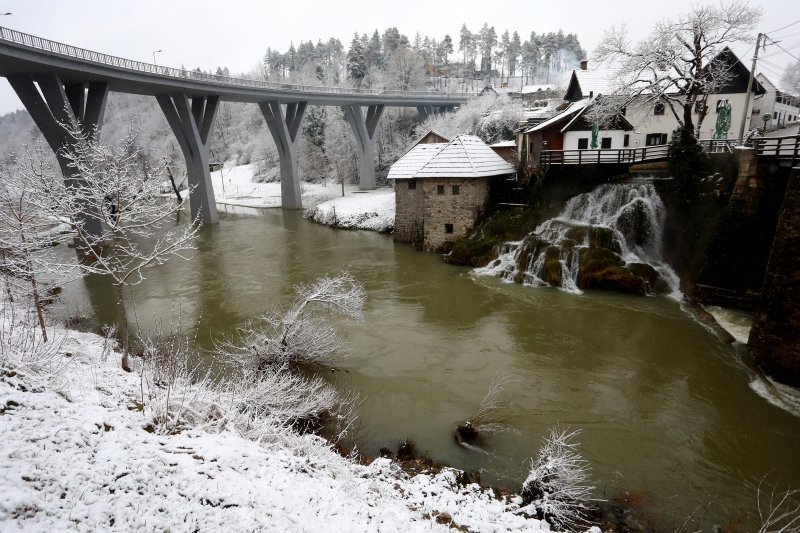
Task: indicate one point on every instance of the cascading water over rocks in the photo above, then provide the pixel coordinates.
(609, 238)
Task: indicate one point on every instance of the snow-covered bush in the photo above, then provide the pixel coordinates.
(489, 417)
(258, 404)
(558, 488)
(298, 336)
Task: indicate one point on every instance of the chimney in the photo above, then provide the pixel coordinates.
(584, 64)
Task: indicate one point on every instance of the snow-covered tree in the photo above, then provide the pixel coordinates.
(29, 229)
(356, 60)
(406, 69)
(139, 228)
(299, 335)
(675, 64)
(790, 81)
(558, 487)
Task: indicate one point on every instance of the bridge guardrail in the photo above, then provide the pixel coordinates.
(47, 45)
(782, 148)
(618, 156)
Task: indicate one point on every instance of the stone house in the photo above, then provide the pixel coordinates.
(441, 189)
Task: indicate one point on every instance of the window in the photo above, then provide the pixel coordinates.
(654, 139)
(440, 189)
(658, 109)
(455, 190)
(626, 140)
(583, 144)
(412, 184)
(448, 228)
(775, 115)
(605, 143)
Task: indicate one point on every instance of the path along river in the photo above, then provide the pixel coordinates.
(667, 410)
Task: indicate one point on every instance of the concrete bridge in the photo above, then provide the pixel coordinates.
(59, 84)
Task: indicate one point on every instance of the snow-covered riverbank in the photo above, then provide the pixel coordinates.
(324, 203)
(77, 453)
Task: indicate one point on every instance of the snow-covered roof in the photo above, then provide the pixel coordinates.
(414, 160)
(504, 144)
(538, 88)
(466, 156)
(573, 108)
(595, 82)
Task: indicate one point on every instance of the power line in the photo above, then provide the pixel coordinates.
(787, 26)
(787, 52)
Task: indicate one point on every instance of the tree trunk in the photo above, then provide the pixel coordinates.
(688, 121)
(37, 303)
(122, 324)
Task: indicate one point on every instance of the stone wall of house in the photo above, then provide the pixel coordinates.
(408, 214)
(461, 210)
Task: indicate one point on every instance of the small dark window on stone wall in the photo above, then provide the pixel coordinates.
(448, 228)
(658, 109)
(583, 144)
(412, 184)
(626, 140)
(456, 189)
(440, 189)
(605, 143)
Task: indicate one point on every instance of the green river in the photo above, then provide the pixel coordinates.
(667, 411)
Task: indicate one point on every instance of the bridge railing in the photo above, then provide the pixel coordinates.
(619, 156)
(782, 148)
(717, 146)
(47, 45)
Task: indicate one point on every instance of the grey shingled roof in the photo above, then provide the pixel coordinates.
(414, 160)
(466, 156)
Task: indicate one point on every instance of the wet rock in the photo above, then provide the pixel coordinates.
(655, 283)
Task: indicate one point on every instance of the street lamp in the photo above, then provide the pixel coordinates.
(154, 55)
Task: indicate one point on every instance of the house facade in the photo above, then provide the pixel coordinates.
(783, 108)
(654, 122)
(441, 189)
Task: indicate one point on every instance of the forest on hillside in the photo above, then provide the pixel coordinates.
(385, 59)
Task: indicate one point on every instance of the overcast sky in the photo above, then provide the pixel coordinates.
(235, 33)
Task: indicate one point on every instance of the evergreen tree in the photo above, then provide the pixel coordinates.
(374, 54)
(356, 60)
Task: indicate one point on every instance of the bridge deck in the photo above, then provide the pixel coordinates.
(21, 53)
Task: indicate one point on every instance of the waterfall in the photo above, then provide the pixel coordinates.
(615, 228)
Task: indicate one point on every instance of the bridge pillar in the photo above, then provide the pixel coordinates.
(55, 107)
(423, 112)
(284, 129)
(192, 120)
(364, 129)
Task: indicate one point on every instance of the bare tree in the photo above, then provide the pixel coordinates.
(778, 511)
(675, 64)
(790, 81)
(29, 229)
(406, 69)
(558, 487)
(299, 336)
(136, 222)
(490, 415)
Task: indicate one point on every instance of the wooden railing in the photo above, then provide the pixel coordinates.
(619, 156)
(54, 47)
(717, 146)
(781, 148)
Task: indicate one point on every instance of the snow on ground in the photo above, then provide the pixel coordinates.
(372, 210)
(324, 203)
(75, 454)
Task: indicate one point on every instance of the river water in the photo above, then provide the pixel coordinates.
(666, 409)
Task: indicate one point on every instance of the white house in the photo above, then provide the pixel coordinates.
(654, 122)
(783, 108)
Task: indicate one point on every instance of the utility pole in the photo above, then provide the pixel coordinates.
(746, 111)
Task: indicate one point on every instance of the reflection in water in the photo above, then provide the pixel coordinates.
(665, 407)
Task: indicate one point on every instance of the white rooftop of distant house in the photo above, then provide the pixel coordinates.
(528, 89)
(466, 156)
(597, 81)
(504, 144)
